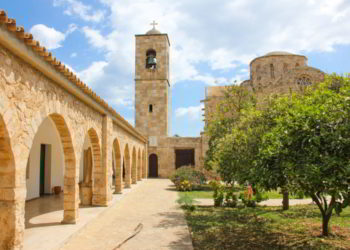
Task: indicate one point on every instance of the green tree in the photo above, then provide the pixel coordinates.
(235, 99)
(309, 145)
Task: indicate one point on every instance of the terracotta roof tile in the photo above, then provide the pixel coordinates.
(47, 56)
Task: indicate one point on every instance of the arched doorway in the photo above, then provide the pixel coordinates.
(153, 166)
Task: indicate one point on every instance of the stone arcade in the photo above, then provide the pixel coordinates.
(50, 122)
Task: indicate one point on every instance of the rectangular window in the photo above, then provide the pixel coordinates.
(150, 108)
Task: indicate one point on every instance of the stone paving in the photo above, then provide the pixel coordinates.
(43, 216)
(153, 205)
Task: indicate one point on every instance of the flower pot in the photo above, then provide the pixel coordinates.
(57, 190)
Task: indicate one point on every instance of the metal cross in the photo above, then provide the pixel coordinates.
(154, 24)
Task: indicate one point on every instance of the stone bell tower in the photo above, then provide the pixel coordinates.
(152, 86)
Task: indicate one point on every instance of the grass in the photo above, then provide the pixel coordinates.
(206, 192)
(275, 194)
(266, 228)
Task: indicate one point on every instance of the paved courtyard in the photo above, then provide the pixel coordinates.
(151, 208)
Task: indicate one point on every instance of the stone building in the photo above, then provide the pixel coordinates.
(57, 135)
(153, 107)
(276, 72)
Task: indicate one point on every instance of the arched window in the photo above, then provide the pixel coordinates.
(304, 81)
(151, 59)
(272, 71)
(150, 108)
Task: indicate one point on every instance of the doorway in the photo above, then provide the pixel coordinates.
(184, 157)
(45, 169)
(153, 166)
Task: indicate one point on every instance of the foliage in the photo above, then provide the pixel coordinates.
(223, 196)
(310, 144)
(236, 99)
(185, 186)
(298, 143)
(187, 202)
(187, 178)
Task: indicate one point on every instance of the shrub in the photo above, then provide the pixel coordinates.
(188, 173)
(187, 202)
(230, 199)
(218, 195)
(185, 186)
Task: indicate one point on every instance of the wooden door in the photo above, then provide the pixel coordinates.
(153, 166)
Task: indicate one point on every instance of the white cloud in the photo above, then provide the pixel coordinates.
(93, 73)
(193, 112)
(73, 55)
(71, 28)
(223, 37)
(85, 12)
(48, 37)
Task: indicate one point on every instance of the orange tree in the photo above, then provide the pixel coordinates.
(309, 143)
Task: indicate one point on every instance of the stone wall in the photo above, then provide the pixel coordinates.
(165, 152)
(27, 98)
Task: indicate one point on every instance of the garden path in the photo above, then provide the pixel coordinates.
(152, 208)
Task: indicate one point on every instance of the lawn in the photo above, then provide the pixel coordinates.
(266, 228)
(207, 193)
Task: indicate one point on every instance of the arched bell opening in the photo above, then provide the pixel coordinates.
(151, 59)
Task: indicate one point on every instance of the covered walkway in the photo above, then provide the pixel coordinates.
(43, 216)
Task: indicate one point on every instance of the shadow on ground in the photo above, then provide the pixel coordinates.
(176, 220)
(227, 228)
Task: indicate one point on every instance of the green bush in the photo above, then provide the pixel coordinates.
(186, 202)
(194, 177)
(230, 199)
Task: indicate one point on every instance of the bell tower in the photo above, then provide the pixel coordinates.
(152, 86)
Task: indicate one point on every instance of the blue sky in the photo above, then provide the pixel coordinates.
(211, 43)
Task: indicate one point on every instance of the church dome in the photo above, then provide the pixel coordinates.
(279, 53)
(153, 32)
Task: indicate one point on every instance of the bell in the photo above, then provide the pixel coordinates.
(151, 60)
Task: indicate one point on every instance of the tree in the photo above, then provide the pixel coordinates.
(310, 144)
(235, 99)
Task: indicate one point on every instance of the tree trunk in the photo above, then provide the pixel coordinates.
(325, 221)
(285, 201)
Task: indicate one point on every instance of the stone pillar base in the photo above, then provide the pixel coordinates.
(86, 195)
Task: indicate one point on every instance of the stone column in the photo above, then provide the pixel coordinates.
(119, 176)
(105, 192)
(127, 172)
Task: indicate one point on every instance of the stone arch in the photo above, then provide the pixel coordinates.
(144, 164)
(134, 166)
(139, 165)
(11, 210)
(86, 169)
(153, 166)
(127, 166)
(99, 182)
(118, 166)
(70, 175)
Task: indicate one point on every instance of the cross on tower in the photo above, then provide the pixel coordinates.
(154, 24)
